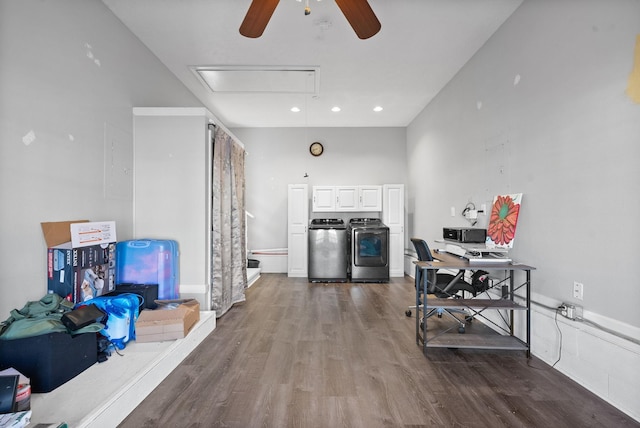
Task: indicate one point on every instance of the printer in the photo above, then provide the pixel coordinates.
(464, 234)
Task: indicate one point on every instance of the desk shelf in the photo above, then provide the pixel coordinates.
(476, 304)
(448, 336)
(476, 341)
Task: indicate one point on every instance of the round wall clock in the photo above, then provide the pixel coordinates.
(316, 149)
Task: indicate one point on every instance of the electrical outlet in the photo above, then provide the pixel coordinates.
(578, 290)
(453, 211)
(562, 309)
(570, 311)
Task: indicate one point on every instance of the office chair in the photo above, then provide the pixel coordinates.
(441, 285)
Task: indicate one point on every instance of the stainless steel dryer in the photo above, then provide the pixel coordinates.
(369, 250)
(328, 260)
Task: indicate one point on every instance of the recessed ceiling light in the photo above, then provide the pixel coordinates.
(335, 109)
(377, 108)
(295, 109)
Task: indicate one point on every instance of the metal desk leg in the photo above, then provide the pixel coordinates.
(421, 310)
(417, 280)
(528, 290)
(511, 291)
(424, 279)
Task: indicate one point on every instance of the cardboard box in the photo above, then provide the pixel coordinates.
(80, 258)
(172, 320)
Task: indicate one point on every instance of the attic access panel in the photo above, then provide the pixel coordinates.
(283, 80)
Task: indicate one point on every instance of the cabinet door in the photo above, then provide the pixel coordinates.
(370, 198)
(347, 198)
(393, 217)
(324, 198)
(298, 219)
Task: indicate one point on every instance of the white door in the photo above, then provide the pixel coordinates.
(297, 230)
(393, 217)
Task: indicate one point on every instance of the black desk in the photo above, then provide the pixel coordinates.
(512, 300)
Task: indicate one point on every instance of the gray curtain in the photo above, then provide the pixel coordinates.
(228, 267)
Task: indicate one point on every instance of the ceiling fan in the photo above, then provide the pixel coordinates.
(358, 12)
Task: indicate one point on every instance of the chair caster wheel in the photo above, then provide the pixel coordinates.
(408, 312)
(421, 325)
(461, 329)
(439, 315)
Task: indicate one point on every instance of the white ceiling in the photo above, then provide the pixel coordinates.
(422, 45)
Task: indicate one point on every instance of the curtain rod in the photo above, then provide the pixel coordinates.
(229, 133)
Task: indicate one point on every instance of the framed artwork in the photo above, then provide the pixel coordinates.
(501, 230)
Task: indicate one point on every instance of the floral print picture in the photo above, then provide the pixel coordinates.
(501, 230)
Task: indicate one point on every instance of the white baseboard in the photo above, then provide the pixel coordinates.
(599, 360)
(272, 263)
(253, 274)
(409, 266)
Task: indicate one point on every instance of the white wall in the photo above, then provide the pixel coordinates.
(541, 109)
(280, 156)
(71, 73)
(172, 188)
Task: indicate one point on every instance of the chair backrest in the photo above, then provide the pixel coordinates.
(424, 253)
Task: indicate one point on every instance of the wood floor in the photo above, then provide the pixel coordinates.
(299, 354)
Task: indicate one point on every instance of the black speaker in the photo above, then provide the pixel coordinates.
(148, 292)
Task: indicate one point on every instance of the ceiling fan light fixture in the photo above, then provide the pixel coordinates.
(307, 9)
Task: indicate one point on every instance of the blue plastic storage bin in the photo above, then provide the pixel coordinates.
(149, 261)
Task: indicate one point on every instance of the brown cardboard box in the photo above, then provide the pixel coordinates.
(80, 258)
(172, 320)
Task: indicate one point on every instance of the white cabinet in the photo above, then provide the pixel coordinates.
(393, 217)
(324, 198)
(347, 198)
(370, 198)
(297, 231)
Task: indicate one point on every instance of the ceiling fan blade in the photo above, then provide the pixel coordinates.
(257, 17)
(360, 16)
